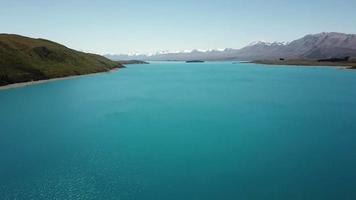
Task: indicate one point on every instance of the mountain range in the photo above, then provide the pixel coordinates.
(26, 59)
(313, 46)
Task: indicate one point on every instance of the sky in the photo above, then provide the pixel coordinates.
(144, 26)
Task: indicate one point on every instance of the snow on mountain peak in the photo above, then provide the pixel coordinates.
(268, 43)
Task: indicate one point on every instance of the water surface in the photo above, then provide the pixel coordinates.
(178, 131)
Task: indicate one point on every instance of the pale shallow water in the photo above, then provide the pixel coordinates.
(182, 131)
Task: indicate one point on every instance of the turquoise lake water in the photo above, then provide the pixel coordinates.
(177, 131)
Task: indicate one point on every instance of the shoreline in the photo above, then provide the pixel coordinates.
(30, 83)
(306, 63)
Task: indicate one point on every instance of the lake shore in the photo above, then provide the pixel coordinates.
(132, 62)
(311, 63)
(30, 83)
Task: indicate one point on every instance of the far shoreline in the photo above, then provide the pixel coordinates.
(306, 63)
(30, 83)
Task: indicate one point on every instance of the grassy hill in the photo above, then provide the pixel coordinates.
(26, 59)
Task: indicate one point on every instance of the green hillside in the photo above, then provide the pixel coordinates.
(25, 59)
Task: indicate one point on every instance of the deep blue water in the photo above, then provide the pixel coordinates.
(176, 131)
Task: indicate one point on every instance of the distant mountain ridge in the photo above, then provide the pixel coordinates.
(313, 46)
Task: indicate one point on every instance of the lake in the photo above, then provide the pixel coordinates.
(177, 131)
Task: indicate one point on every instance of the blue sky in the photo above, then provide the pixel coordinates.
(117, 26)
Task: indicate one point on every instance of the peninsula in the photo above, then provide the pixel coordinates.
(194, 61)
(132, 62)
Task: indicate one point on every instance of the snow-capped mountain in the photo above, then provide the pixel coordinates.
(264, 43)
(315, 46)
